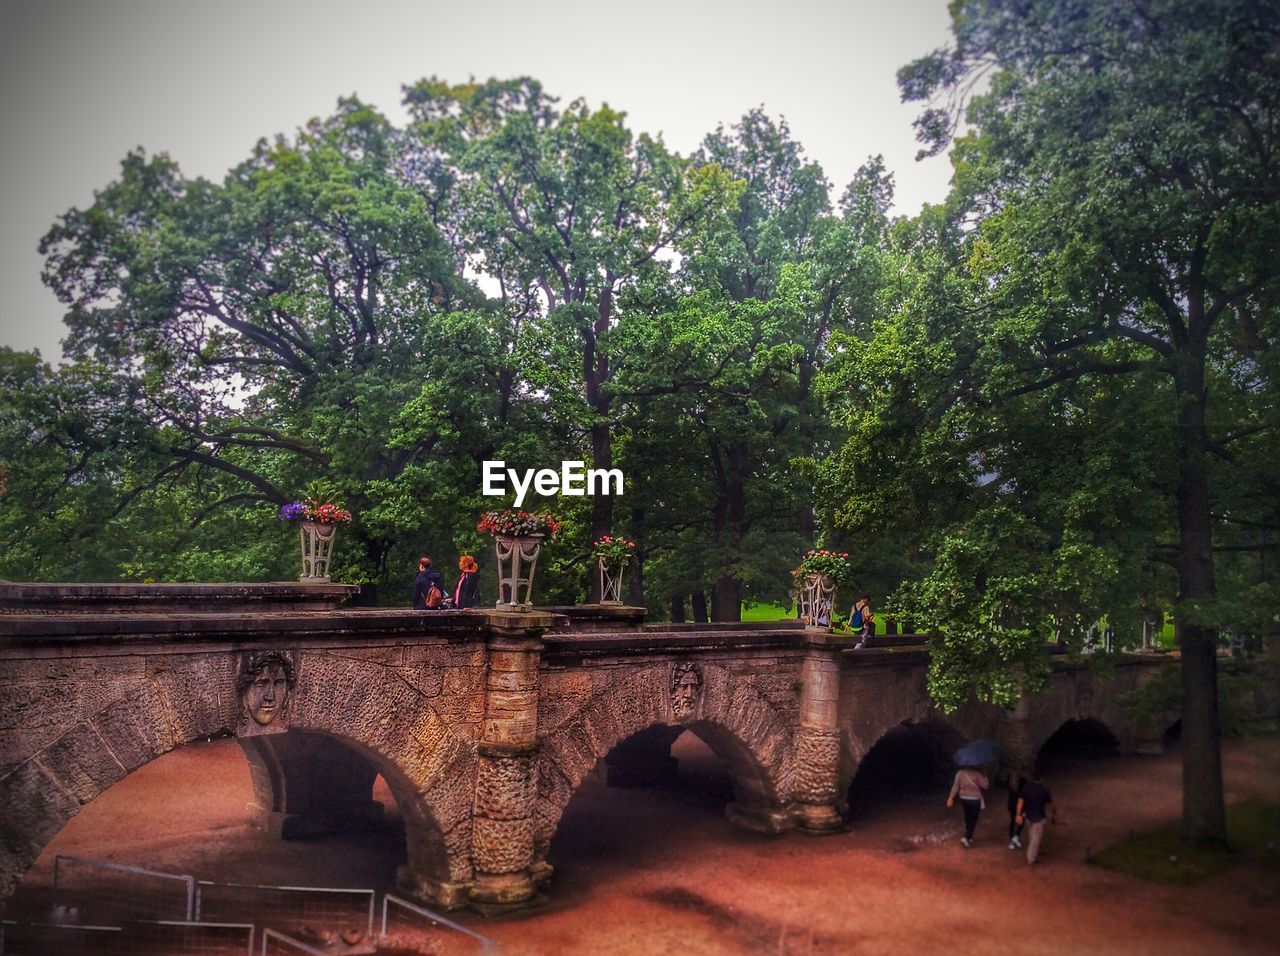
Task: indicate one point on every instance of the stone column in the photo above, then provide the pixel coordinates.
(502, 834)
(818, 737)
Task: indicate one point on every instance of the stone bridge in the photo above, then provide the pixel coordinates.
(483, 724)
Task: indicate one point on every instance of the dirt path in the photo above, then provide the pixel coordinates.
(662, 871)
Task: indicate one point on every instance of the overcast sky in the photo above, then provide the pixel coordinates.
(85, 81)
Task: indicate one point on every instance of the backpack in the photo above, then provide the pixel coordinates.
(856, 621)
(434, 598)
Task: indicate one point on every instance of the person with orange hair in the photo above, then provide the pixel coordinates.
(467, 592)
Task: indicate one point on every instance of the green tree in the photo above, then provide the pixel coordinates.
(305, 317)
(1122, 173)
(565, 211)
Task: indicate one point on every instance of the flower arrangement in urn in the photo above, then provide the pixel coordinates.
(319, 504)
(613, 549)
(816, 579)
(319, 515)
(834, 564)
(518, 524)
(612, 552)
(517, 539)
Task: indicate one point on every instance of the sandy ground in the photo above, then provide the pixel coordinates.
(659, 871)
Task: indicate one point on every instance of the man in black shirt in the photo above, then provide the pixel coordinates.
(1034, 800)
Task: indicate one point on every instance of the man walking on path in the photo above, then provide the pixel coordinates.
(1033, 801)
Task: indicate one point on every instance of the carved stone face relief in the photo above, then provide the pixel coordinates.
(686, 691)
(265, 683)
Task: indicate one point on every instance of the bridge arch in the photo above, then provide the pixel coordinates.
(381, 718)
(739, 724)
(908, 756)
(1078, 736)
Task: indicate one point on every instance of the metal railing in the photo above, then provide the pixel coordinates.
(286, 907)
(420, 914)
(175, 938)
(41, 939)
(278, 944)
(110, 892)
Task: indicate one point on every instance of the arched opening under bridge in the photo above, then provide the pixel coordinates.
(1076, 740)
(909, 767)
(196, 811)
(657, 797)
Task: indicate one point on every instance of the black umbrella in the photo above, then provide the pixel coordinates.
(977, 752)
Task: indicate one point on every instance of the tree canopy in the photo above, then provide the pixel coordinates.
(1078, 367)
(1044, 406)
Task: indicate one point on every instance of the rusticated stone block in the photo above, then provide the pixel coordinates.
(552, 785)
(33, 808)
(601, 725)
(424, 746)
(200, 692)
(138, 728)
(427, 655)
(427, 681)
(569, 762)
(504, 788)
(451, 798)
(31, 706)
(817, 767)
(81, 763)
(457, 851)
(462, 681)
(501, 846)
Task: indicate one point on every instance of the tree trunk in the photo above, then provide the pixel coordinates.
(635, 584)
(730, 522)
(727, 599)
(677, 609)
(699, 607)
(1203, 810)
(595, 371)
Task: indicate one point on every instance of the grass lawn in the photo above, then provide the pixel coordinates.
(767, 612)
(1253, 829)
(775, 612)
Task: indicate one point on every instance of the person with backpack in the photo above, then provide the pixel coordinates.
(428, 587)
(861, 620)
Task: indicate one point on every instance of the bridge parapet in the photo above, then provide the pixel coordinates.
(58, 599)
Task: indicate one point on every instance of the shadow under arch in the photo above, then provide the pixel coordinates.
(189, 812)
(380, 719)
(1084, 738)
(731, 718)
(669, 786)
(911, 758)
(309, 784)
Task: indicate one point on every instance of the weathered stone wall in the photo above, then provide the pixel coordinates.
(883, 690)
(1081, 693)
(744, 704)
(483, 724)
(72, 724)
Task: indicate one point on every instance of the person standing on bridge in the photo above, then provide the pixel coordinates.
(968, 786)
(467, 593)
